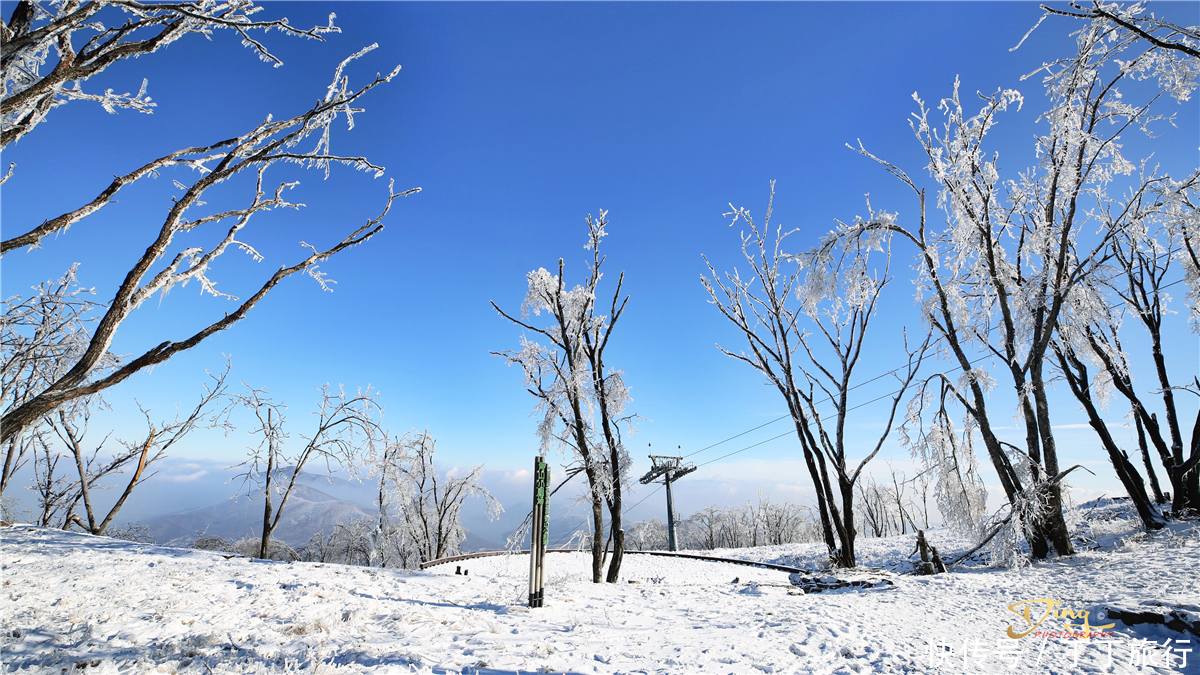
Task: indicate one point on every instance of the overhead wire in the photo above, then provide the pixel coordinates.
(852, 408)
(828, 399)
(783, 417)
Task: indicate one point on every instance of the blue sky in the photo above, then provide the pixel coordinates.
(518, 120)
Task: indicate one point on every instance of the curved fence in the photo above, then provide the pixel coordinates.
(691, 556)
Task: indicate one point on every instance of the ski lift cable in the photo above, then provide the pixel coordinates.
(648, 496)
(828, 399)
(783, 417)
(789, 433)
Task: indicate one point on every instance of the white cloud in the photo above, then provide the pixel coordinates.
(187, 477)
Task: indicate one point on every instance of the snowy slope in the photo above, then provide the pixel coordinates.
(109, 606)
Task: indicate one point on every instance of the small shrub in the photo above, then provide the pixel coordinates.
(135, 532)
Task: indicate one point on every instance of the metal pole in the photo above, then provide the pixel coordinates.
(670, 516)
(670, 469)
(544, 539)
(535, 530)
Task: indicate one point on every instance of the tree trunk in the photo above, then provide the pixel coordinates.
(266, 531)
(1141, 432)
(12, 459)
(1077, 378)
(614, 566)
(815, 474)
(1191, 470)
(137, 476)
(597, 539)
(849, 557)
(926, 565)
(615, 524)
(1056, 524)
(265, 544)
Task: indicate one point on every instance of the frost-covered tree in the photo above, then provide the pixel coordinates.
(85, 40)
(946, 455)
(834, 290)
(1144, 257)
(582, 401)
(766, 523)
(1016, 259)
(69, 424)
(347, 428)
(888, 508)
(647, 535)
(1153, 226)
(350, 543)
(89, 468)
(705, 527)
(783, 522)
(419, 509)
(873, 507)
(1182, 210)
(41, 335)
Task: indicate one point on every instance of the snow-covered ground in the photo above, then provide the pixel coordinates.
(105, 606)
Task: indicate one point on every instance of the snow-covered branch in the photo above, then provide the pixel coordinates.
(122, 29)
(269, 143)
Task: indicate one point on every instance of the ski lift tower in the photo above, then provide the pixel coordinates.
(670, 469)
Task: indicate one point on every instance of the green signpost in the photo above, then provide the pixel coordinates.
(539, 535)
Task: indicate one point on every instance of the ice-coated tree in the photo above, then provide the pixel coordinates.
(783, 522)
(1153, 225)
(834, 289)
(40, 336)
(419, 509)
(888, 508)
(389, 543)
(947, 456)
(705, 526)
(69, 423)
(87, 37)
(1016, 259)
(346, 430)
(921, 483)
(766, 523)
(582, 401)
(873, 511)
(350, 543)
(1182, 218)
(1143, 257)
(647, 535)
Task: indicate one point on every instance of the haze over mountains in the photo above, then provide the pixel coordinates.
(317, 504)
(187, 497)
(308, 511)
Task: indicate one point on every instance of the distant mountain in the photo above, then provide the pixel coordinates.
(308, 511)
(473, 544)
